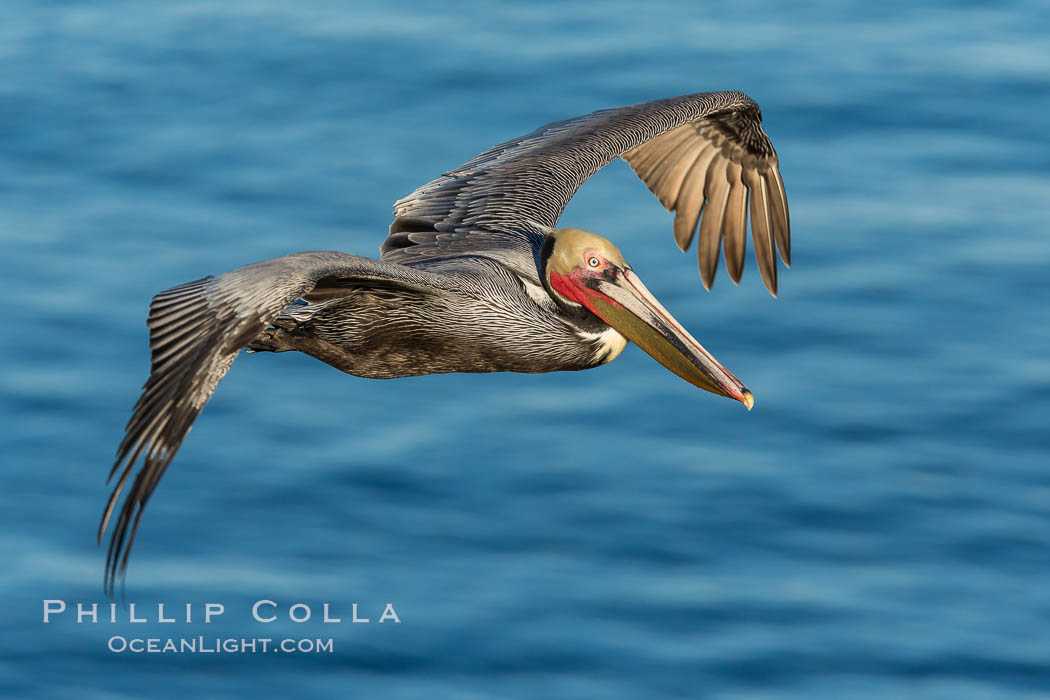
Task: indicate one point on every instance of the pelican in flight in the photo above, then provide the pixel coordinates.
(476, 276)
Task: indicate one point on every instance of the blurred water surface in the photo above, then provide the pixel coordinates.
(879, 525)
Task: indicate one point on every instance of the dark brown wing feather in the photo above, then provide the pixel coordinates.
(686, 149)
(196, 331)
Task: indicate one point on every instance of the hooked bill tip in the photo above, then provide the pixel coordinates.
(748, 400)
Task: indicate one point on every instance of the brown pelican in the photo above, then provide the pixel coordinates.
(475, 276)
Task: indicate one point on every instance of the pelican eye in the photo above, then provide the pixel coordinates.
(594, 261)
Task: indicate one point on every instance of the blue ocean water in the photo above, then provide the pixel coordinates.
(878, 526)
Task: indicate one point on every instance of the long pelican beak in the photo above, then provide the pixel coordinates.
(626, 305)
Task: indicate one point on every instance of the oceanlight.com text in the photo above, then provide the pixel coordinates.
(218, 645)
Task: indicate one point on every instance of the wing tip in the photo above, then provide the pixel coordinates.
(771, 284)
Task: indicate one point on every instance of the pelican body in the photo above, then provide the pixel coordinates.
(476, 276)
(483, 321)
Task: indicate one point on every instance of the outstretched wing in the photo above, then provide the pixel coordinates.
(705, 156)
(196, 331)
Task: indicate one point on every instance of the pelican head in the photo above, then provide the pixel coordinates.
(584, 271)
